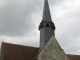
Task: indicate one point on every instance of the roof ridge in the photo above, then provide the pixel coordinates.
(73, 54)
(19, 45)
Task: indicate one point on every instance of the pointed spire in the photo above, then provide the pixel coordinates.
(46, 12)
(46, 26)
(46, 17)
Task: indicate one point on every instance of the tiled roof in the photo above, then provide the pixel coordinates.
(19, 52)
(73, 57)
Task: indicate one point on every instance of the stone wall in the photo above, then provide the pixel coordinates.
(52, 51)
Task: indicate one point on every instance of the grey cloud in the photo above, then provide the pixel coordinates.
(69, 31)
(15, 19)
(54, 2)
(68, 38)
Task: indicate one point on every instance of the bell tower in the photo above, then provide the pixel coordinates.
(46, 26)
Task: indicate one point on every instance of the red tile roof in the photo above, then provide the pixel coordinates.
(73, 57)
(19, 52)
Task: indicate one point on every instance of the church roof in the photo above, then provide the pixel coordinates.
(19, 52)
(73, 57)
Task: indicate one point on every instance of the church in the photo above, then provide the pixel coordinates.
(49, 47)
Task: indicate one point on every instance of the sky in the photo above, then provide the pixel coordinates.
(19, 21)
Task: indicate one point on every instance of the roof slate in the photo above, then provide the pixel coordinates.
(19, 52)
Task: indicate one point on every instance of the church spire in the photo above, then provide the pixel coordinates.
(46, 26)
(46, 16)
(46, 11)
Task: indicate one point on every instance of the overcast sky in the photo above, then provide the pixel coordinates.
(19, 21)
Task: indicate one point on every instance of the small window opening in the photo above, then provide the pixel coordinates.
(51, 45)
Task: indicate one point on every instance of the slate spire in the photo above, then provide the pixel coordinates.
(46, 12)
(46, 16)
(46, 27)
